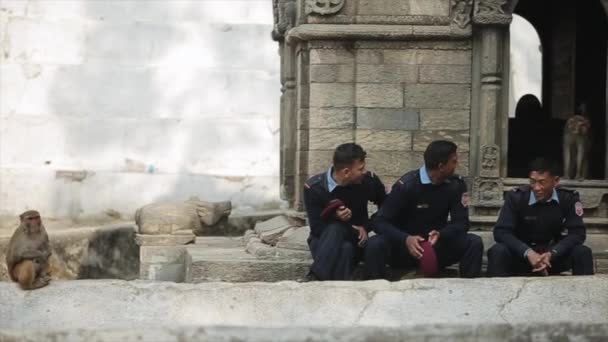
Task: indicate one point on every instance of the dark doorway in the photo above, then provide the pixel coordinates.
(574, 37)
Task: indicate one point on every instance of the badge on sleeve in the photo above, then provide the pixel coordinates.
(578, 208)
(465, 199)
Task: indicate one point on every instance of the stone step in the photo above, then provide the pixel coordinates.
(422, 310)
(487, 222)
(225, 259)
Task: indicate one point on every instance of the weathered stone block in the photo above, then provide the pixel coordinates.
(423, 56)
(445, 74)
(332, 73)
(331, 117)
(463, 164)
(381, 73)
(164, 263)
(379, 95)
(450, 57)
(295, 238)
(274, 223)
(444, 119)
(423, 138)
(396, 56)
(313, 162)
(384, 140)
(388, 7)
(369, 56)
(162, 254)
(163, 240)
(393, 163)
(302, 139)
(401, 119)
(328, 139)
(332, 95)
(448, 96)
(331, 56)
(430, 7)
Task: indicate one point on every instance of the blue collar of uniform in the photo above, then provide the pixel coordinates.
(533, 199)
(424, 176)
(331, 183)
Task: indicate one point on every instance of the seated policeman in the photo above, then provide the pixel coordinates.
(540, 229)
(414, 216)
(336, 205)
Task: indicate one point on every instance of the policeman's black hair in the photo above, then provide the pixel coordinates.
(542, 165)
(439, 151)
(346, 154)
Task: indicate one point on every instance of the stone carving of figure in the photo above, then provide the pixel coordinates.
(462, 12)
(577, 143)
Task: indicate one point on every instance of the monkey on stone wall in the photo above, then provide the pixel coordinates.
(577, 145)
(27, 256)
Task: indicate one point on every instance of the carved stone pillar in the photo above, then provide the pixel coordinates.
(490, 22)
(284, 20)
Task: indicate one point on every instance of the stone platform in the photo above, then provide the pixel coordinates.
(539, 309)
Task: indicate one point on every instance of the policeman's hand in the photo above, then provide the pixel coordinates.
(434, 237)
(343, 214)
(535, 261)
(413, 246)
(362, 235)
(545, 259)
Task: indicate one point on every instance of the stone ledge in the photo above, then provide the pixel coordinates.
(309, 32)
(117, 304)
(441, 332)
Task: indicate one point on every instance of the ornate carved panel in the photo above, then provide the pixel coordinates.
(491, 12)
(284, 17)
(461, 12)
(488, 192)
(490, 161)
(324, 7)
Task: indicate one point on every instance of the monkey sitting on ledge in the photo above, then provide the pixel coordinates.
(577, 143)
(27, 256)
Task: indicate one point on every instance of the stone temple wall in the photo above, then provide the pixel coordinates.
(391, 76)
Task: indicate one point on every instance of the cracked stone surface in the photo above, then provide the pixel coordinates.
(121, 305)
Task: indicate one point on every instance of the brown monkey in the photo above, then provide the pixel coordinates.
(577, 142)
(28, 253)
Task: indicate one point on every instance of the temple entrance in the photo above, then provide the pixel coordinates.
(573, 56)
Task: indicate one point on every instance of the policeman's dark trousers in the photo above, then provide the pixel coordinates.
(466, 249)
(335, 253)
(502, 262)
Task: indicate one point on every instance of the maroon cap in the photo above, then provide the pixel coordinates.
(331, 208)
(428, 261)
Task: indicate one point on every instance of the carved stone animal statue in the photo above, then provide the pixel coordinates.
(577, 144)
(28, 252)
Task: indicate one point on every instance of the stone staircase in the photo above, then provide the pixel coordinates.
(247, 258)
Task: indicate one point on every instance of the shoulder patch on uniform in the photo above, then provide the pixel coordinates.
(313, 180)
(578, 208)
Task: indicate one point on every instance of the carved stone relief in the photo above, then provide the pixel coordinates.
(488, 192)
(324, 7)
(285, 13)
(491, 12)
(490, 161)
(461, 12)
(490, 6)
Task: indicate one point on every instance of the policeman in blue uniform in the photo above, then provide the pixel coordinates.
(417, 209)
(336, 205)
(540, 229)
